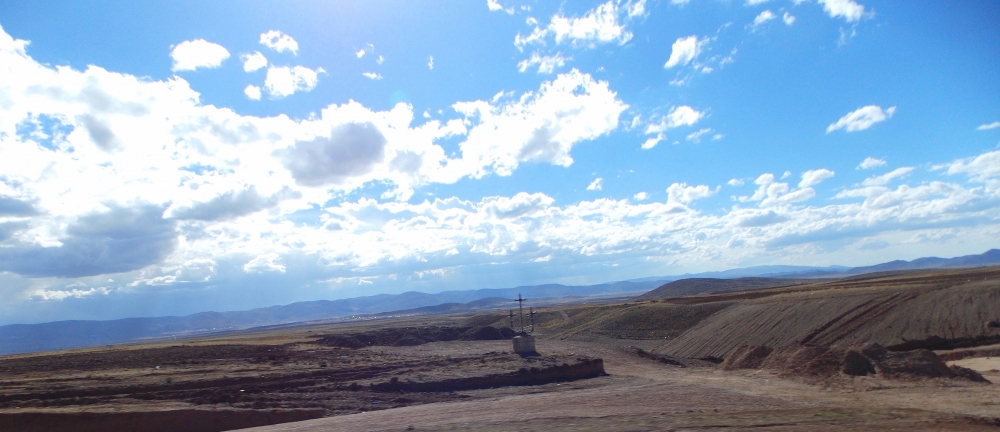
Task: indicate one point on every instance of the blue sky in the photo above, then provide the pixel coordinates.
(169, 159)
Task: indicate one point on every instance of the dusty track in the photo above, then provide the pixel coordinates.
(642, 394)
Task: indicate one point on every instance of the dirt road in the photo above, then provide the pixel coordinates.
(641, 394)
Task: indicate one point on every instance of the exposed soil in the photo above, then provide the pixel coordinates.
(412, 336)
(227, 386)
(956, 305)
(831, 365)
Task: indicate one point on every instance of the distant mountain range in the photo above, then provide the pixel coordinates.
(20, 338)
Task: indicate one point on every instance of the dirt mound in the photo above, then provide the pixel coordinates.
(746, 357)
(821, 363)
(903, 312)
(413, 336)
(670, 360)
(582, 368)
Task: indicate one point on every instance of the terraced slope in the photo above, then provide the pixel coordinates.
(694, 286)
(887, 310)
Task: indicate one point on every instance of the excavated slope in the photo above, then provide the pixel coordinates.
(885, 310)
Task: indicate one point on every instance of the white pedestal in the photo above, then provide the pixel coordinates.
(524, 345)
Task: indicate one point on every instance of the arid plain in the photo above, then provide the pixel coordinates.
(900, 351)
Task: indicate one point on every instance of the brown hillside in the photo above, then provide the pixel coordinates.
(888, 310)
(694, 286)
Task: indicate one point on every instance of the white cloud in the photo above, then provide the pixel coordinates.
(763, 17)
(264, 263)
(684, 50)
(360, 53)
(814, 177)
(597, 184)
(736, 182)
(871, 162)
(279, 41)
(372, 75)
(788, 18)
(198, 53)
(652, 142)
(678, 116)
(541, 126)
(980, 168)
(430, 62)
(284, 81)
(989, 126)
(849, 10)
(772, 193)
(696, 136)
(884, 179)
(681, 193)
(862, 118)
(546, 64)
(756, 2)
(252, 92)
(253, 62)
(604, 24)
(380, 60)
(495, 6)
(641, 196)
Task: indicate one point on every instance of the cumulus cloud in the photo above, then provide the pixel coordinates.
(597, 184)
(279, 41)
(540, 126)
(372, 75)
(849, 10)
(884, 179)
(604, 24)
(119, 239)
(684, 50)
(871, 162)
(495, 6)
(641, 196)
(788, 18)
(198, 53)
(284, 81)
(545, 64)
(862, 118)
(763, 18)
(814, 177)
(772, 193)
(989, 126)
(430, 62)
(252, 92)
(253, 62)
(11, 206)
(681, 193)
(264, 263)
(349, 150)
(980, 168)
(232, 204)
(678, 116)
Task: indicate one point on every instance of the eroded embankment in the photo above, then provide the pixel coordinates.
(819, 363)
(188, 420)
(889, 312)
(583, 368)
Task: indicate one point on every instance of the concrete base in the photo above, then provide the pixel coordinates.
(524, 345)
